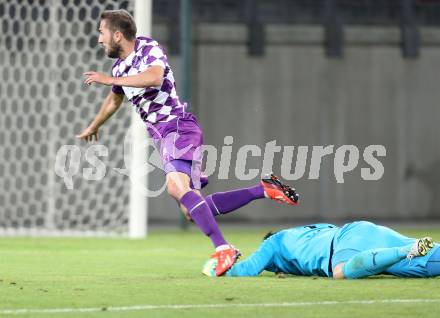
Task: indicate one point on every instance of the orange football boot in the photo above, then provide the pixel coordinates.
(275, 190)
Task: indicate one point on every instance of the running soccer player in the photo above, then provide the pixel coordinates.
(142, 74)
(355, 250)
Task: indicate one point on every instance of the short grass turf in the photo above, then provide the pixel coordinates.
(47, 273)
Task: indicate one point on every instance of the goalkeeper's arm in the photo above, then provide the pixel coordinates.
(256, 263)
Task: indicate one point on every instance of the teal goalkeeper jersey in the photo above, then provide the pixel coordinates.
(301, 250)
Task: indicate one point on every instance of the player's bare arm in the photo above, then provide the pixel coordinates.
(153, 76)
(109, 106)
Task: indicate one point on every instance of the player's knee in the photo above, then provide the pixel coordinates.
(175, 189)
(338, 272)
(177, 186)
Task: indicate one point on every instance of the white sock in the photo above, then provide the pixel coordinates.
(222, 247)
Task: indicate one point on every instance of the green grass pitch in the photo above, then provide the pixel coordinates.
(161, 275)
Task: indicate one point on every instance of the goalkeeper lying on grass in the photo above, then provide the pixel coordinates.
(355, 250)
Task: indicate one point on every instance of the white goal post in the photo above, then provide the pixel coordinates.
(45, 48)
(139, 202)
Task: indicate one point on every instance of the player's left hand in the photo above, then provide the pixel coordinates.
(100, 78)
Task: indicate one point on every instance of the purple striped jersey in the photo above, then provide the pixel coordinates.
(156, 104)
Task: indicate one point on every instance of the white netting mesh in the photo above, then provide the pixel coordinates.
(45, 47)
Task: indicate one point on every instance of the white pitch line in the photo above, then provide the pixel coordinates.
(209, 306)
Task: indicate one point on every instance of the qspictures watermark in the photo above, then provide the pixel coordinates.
(297, 162)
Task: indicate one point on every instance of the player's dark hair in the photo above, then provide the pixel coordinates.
(269, 234)
(120, 20)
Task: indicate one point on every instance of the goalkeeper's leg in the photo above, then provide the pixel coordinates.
(376, 261)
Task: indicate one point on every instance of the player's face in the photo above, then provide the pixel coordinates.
(107, 40)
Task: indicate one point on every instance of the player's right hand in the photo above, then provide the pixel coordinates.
(88, 134)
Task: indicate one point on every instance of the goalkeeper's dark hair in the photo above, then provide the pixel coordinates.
(269, 234)
(122, 21)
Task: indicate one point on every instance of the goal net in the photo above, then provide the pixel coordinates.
(45, 47)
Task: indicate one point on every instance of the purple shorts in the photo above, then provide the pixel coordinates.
(179, 143)
(191, 168)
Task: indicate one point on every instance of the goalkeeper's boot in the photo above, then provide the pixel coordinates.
(209, 267)
(275, 190)
(225, 259)
(421, 247)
